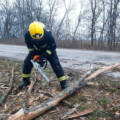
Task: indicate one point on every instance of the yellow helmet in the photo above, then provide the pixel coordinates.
(36, 30)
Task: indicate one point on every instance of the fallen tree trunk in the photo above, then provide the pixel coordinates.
(32, 112)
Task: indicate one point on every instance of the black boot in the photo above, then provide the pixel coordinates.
(63, 84)
(25, 82)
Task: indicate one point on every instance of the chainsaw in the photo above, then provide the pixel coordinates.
(41, 67)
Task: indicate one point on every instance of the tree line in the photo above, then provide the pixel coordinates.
(96, 24)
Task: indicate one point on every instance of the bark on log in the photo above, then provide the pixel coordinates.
(101, 70)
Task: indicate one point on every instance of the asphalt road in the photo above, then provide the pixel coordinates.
(74, 59)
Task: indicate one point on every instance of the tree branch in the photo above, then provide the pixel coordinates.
(4, 97)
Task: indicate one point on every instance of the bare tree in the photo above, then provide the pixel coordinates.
(96, 11)
(112, 22)
(104, 22)
(38, 10)
(52, 13)
(6, 13)
(67, 11)
(77, 26)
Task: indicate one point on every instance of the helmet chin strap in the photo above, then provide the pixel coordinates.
(37, 36)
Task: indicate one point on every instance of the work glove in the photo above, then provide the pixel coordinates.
(63, 84)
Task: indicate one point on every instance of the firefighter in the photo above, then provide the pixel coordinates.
(41, 44)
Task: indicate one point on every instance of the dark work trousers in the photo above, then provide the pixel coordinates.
(53, 60)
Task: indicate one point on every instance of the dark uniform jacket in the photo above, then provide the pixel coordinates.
(46, 45)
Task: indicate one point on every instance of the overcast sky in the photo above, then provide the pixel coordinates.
(76, 4)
